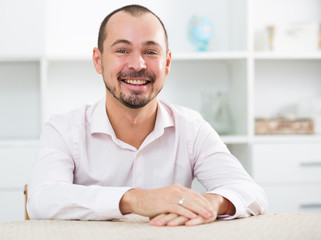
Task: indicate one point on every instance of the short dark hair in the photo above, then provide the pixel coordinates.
(134, 10)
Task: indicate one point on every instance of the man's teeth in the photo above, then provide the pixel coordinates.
(135, 82)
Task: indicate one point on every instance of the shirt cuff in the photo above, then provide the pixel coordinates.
(235, 200)
(107, 203)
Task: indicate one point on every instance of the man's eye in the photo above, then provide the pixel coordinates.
(151, 53)
(121, 51)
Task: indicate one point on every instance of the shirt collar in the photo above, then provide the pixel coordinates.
(164, 118)
(100, 122)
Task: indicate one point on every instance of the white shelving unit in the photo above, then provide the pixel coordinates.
(46, 68)
(288, 167)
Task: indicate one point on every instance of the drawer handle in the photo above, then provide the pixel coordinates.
(310, 205)
(312, 163)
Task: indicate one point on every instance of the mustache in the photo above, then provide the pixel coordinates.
(134, 74)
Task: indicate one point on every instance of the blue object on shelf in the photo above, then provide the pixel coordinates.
(200, 32)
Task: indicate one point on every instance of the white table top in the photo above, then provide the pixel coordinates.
(265, 227)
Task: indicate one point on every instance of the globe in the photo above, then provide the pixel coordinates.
(200, 32)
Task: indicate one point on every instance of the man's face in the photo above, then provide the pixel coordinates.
(134, 62)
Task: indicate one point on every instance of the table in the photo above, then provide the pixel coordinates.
(287, 226)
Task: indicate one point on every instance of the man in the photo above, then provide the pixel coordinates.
(130, 152)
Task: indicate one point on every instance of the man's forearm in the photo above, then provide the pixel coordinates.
(71, 201)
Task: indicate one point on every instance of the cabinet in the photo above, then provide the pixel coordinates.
(46, 68)
(290, 174)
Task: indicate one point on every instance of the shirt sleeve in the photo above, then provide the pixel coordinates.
(52, 194)
(221, 173)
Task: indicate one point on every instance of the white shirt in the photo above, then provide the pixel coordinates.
(83, 170)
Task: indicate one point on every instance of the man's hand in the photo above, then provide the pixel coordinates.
(171, 219)
(219, 204)
(151, 203)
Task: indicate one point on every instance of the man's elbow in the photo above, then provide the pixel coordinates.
(35, 211)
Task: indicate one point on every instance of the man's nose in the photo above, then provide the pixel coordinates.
(136, 62)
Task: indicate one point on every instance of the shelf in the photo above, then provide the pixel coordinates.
(287, 139)
(69, 58)
(20, 58)
(287, 56)
(19, 143)
(209, 55)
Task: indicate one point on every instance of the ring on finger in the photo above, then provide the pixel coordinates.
(181, 201)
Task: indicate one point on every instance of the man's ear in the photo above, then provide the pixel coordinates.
(97, 60)
(168, 62)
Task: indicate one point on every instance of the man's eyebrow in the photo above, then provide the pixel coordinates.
(147, 43)
(151, 43)
(121, 41)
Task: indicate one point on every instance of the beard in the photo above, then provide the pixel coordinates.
(135, 100)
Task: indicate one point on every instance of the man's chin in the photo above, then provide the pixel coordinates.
(135, 104)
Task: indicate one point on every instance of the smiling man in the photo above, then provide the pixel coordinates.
(131, 152)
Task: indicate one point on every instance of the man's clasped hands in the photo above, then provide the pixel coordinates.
(175, 205)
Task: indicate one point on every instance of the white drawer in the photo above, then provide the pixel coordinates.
(12, 206)
(16, 165)
(286, 163)
(291, 198)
